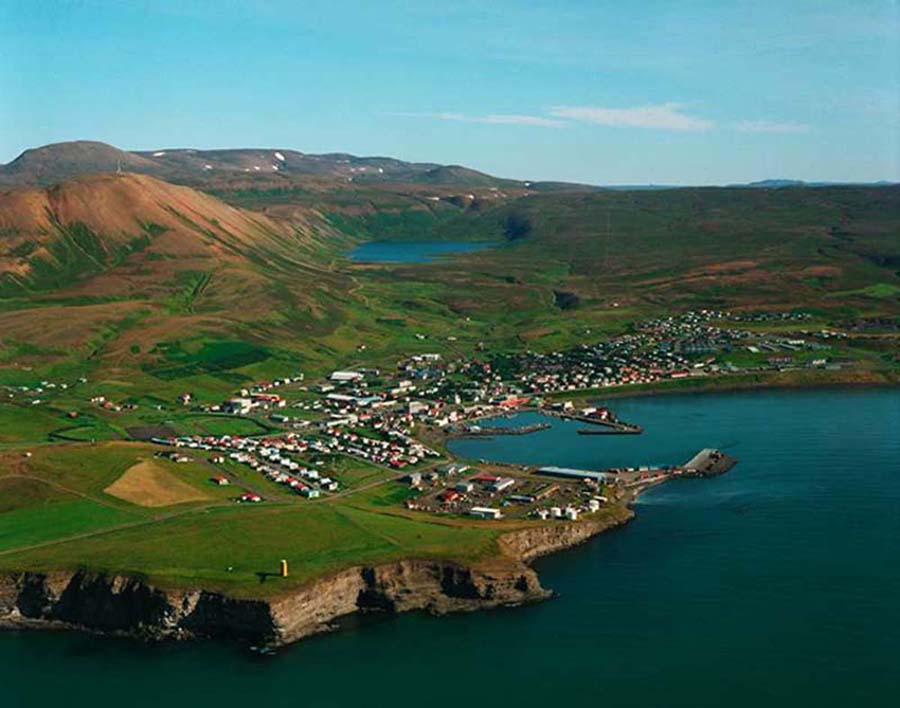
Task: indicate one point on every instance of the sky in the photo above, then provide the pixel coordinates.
(619, 92)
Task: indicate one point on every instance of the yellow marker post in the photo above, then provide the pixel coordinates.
(284, 569)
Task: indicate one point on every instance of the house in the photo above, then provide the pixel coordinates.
(238, 406)
(221, 481)
(448, 495)
(464, 487)
(249, 497)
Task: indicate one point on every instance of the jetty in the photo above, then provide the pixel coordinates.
(614, 425)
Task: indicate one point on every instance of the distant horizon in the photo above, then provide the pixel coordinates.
(677, 92)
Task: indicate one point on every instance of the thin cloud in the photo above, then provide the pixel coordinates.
(494, 118)
(770, 126)
(664, 116)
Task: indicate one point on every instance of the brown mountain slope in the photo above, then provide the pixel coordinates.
(109, 265)
(50, 238)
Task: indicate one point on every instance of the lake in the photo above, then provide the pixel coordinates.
(413, 251)
(776, 584)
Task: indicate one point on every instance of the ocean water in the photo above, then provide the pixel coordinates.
(413, 251)
(777, 584)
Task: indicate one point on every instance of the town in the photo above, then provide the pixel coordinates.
(399, 420)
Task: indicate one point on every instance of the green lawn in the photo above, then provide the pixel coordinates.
(198, 548)
(58, 519)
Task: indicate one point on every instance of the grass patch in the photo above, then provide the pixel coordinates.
(59, 519)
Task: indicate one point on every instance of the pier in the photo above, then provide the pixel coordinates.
(614, 426)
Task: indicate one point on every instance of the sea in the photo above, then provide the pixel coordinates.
(777, 584)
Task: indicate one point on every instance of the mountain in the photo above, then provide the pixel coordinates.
(60, 161)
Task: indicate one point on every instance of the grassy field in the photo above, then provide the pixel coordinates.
(61, 492)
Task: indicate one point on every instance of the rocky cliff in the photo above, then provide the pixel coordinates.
(130, 605)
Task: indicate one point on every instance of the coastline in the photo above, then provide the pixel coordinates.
(121, 605)
(125, 605)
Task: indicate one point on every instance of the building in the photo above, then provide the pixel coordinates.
(568, 473)
(453, 468)
(485, 512)
(501, 484)
(238, 406)
(345, 376)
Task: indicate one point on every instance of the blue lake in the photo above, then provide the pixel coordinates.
(413, 251)
(776, 584)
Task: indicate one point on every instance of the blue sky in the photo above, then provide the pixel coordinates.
(662, 91)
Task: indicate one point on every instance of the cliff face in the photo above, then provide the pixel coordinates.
(117, 604)
(400, 587)
(127, 605)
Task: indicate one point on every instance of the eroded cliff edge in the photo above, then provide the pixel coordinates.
(130, 605)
